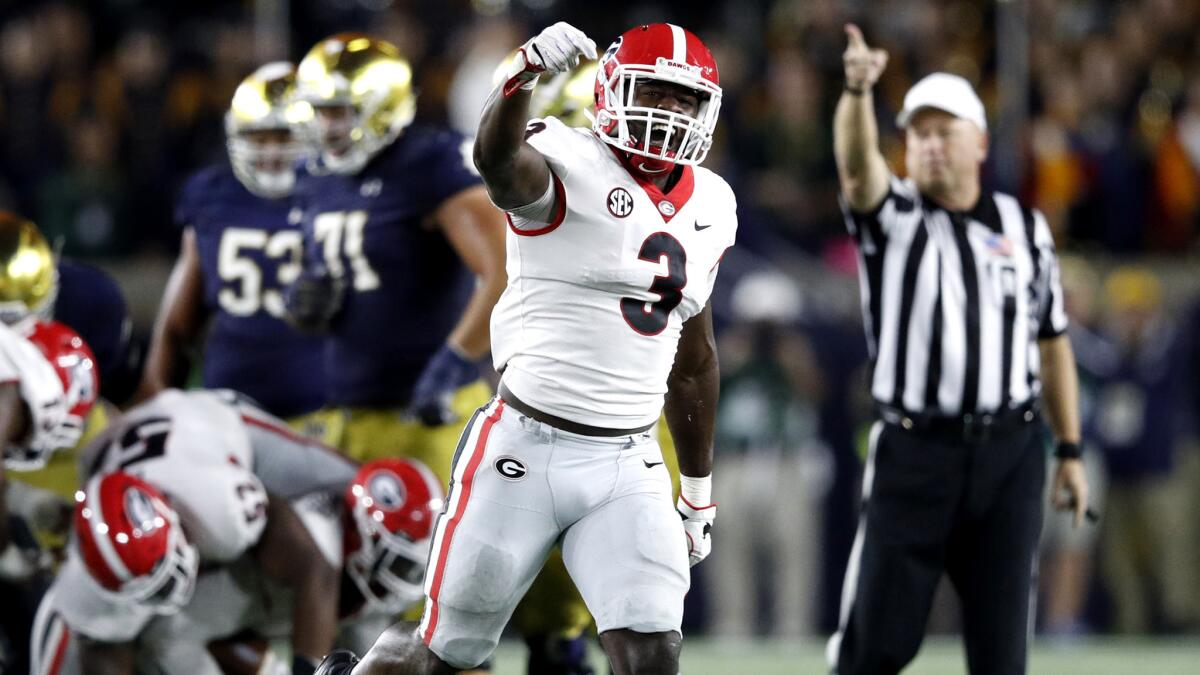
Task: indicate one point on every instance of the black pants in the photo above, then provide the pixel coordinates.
(973, 510)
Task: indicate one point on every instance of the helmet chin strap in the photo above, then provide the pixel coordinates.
(650, 166)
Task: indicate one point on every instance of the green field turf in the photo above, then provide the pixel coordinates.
(941, 656)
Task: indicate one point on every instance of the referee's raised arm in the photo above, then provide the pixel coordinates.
(862, 171)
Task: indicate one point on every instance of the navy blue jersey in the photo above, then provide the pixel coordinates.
(405, 286)
(91, 302)
(250, 248)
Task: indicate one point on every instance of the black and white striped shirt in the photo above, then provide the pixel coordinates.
(954, 302)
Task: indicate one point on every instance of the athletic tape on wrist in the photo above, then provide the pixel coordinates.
(697, 492)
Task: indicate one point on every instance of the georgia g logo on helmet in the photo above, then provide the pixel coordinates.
(385, 488)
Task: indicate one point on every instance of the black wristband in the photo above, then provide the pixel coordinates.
(1066, 450)
(854, 92)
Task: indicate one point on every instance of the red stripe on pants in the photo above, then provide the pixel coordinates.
(60, 652)
(468, 479)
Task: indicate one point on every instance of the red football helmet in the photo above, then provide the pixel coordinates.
(392, 503)
(132, 544)
(667, 53)
(60, 418)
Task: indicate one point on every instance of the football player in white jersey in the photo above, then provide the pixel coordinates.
(48, 384)
(183, 480)
(615, 238)
(376, 530)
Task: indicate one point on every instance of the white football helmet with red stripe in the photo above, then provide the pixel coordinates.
(393, 503)
(657, 52)
(132, 544)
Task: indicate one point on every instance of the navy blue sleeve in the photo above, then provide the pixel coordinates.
(197, 189)
(451, 169)
(91, 302)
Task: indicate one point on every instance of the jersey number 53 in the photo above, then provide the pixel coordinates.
(235, 265)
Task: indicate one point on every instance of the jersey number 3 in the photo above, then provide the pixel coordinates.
(650, 318)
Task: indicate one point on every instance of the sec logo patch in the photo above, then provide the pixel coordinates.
(510, 468)
(620, 202)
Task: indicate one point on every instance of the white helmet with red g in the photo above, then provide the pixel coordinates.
(666, 53)
(132, 544)
(392, 503)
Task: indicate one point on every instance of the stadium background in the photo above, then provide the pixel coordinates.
(105, 107)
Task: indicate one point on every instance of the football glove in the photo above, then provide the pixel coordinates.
(697, 525)
(446, 372)
(555, 50)
(339, 662)
(313, 299)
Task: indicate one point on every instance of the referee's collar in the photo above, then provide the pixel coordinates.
(984, 210)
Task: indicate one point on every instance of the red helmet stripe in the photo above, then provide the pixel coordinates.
(100, 533)
(679, 48)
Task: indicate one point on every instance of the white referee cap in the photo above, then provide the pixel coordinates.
(946, 92)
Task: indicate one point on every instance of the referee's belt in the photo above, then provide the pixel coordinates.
(968, 427)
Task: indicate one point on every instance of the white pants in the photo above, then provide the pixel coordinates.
(518, 488)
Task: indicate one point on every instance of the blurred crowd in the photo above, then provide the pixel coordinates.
(105, 107)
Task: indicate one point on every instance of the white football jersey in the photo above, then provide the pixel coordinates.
(41, 388)
(588, 325)
(193, 446)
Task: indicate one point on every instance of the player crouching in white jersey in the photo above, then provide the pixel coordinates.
(614, 243)
(187, 480)
(376, 530)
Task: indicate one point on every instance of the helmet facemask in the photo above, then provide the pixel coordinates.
(265, 164)
(344, 143)
(169, 587)
(388, 569)
(673, 137)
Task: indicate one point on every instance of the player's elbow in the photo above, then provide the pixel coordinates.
(862, 195)
(488, 160)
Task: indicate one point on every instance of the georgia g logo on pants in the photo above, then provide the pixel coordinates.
(510, 468)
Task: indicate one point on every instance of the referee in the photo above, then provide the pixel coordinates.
(964, 320)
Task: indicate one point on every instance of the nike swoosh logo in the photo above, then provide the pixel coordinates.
(702, 227)
(650, 465)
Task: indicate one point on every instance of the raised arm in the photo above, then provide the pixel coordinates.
(515, 173)
(180, 319)
(862, 171)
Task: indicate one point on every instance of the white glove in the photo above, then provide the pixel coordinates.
(555, 50)
(698, 513)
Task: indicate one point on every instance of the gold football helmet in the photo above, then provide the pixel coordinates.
(28, 276)
(258, 130)
(361, 92)
(568, 96)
